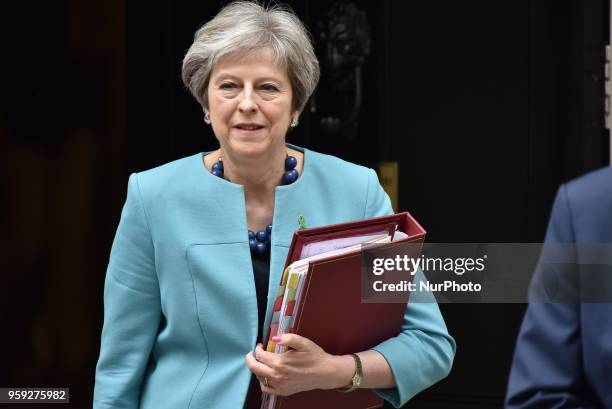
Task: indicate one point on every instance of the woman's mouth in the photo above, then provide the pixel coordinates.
(248, 127)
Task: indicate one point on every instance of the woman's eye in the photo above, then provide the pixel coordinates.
(227, 85)
(269, 87)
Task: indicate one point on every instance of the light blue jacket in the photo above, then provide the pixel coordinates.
(180, 311)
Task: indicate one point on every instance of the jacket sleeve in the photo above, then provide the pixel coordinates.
(546, 370)
(131, 309)
(423, 352)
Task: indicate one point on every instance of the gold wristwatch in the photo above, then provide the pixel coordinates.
(357, 378)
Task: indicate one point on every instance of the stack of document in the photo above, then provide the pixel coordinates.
(320, 298)
(290, 291)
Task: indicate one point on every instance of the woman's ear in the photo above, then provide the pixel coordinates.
(295, 119)
(206, 116)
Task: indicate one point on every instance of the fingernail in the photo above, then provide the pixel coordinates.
(277, 338)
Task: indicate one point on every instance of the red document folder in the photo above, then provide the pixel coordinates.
(331, 312)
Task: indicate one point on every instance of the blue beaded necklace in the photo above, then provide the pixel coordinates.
(259, 242)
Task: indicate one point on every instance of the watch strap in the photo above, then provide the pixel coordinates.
(357, 377)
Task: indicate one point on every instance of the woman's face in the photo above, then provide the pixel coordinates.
(249, 101)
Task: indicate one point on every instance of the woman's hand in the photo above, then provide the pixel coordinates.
(303, 367)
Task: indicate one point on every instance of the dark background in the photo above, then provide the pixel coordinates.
(487, 106)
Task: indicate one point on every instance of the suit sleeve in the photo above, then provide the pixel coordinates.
(423, 352)
(131, 309)
(546, 370)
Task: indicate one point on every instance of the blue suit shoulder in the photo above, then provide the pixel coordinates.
(170, 177)
(591, 189)
(337, 172)
(587, 201)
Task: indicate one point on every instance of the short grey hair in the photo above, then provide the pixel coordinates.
(245, 27)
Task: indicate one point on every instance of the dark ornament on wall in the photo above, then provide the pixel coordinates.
(343, 45)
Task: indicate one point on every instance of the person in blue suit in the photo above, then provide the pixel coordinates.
(202, 242)
(563, 356)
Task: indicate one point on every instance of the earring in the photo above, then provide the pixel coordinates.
(207, 118)
(294, 122)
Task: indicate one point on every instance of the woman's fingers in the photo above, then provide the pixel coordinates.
(270, 359)
(296, 342)
(264, 374)
(300, 368)
(258, 368)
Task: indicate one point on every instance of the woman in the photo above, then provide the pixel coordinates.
(190, 284)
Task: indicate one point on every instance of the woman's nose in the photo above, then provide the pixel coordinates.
(247, 102)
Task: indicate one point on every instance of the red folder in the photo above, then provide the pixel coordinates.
(331, 312)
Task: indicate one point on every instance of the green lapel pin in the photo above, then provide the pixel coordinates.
(301, 222)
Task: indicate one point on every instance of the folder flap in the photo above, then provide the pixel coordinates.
(401, 221)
